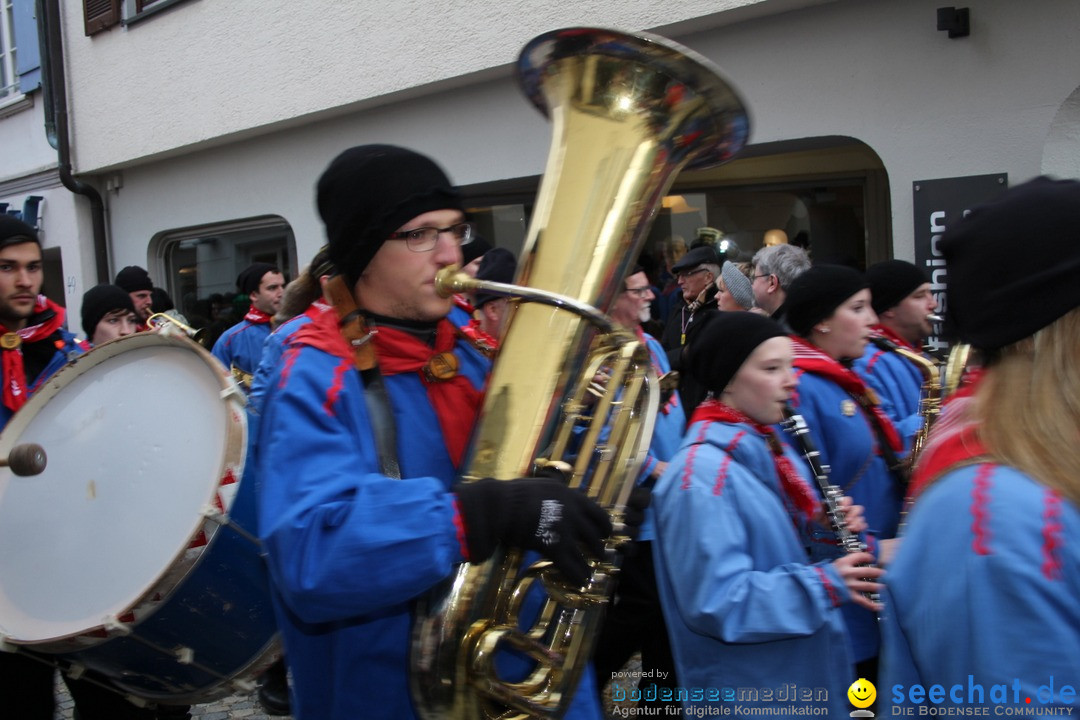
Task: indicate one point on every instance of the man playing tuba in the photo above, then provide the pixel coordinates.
(363, 432)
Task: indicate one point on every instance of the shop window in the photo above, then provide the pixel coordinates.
(201, 265)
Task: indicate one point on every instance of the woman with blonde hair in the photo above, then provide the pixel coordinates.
(984, 585)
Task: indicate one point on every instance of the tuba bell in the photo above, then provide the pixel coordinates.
(628, 113)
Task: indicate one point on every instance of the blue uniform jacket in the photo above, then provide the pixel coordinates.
(348, 548)
(241, 346)
(898, 384)
(667, 433)
(70, 349)
(847, 443)
(982, 594)
(744, 607)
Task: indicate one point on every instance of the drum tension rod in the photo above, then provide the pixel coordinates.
(214, 515)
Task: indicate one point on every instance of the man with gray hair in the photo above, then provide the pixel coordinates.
(775, 267)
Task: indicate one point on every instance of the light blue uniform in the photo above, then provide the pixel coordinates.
(982, 593)
(744, 606)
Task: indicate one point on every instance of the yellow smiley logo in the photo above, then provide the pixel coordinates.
(862, 693)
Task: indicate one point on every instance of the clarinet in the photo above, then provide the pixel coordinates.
(849, 541)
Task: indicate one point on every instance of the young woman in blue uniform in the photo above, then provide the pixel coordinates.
(745, 606)
(983, 589)
(828, 309)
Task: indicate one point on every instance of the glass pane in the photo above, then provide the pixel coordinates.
(202, 268)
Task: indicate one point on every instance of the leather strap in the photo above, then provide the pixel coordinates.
(354, 328)
(382, 422)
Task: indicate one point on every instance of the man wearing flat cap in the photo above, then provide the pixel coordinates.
(696, 273)
(240, 347)
(362, 438)
(900, 296)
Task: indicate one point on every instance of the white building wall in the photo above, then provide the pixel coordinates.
(28, 167)
(198, 134)
(207, 70)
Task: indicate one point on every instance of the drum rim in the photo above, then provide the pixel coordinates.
(234, 455)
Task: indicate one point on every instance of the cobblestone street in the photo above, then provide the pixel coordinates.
(236, 706)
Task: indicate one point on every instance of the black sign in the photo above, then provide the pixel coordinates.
(937, 204)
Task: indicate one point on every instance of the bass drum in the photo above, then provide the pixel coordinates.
(134, 553)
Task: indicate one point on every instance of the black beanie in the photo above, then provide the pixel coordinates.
(497, 265)
(250, 278)
(370, 191)
(815, 295)
(476, 247)
(133, 279)
(99, 301)
(891, 281)
(14, 231)
(1013, 264)
(719, 343)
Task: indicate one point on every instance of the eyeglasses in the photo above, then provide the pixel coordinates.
(424, 239)
(688, 273)
(755, 277)
(640, 292)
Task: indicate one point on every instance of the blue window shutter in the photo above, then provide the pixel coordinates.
(27, 47)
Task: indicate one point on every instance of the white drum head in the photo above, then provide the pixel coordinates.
(138, 438)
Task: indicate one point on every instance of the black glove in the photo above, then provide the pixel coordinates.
(634, 514)
(533, 514)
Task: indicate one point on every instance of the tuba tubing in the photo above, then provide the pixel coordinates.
(628, 113)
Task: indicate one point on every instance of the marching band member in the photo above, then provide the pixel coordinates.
(828, 308)
(35, 345)
(634, 621)
(136, 281)
(745, 606)
(900, 296)
(491, 311)
(350, 546)
(107, 313)
(240, 347)
(984, 584)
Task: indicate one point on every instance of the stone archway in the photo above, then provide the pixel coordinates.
(1061, 152)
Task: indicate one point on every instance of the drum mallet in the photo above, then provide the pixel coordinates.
(25, 459)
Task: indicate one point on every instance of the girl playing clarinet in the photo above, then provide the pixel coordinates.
(745, 606)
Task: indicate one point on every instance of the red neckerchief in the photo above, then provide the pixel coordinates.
(798, 492)
(255, 316)
(888, 334)
(316, 309)
(15, 390)
(463, 302)
(810, 359)
(481, 339)
(954, 439)
(455, 400)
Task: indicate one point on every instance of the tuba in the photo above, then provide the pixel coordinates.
(628, 113)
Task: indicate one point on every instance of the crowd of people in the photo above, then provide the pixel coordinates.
(365, 384)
